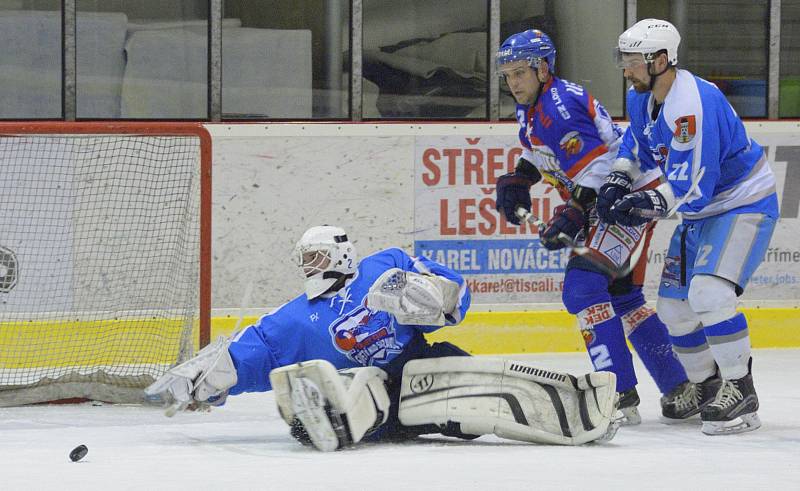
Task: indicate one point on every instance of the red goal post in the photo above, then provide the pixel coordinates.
(105, 256)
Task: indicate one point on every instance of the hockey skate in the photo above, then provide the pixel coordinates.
(688, 399)
(627, 408)
(734, 408)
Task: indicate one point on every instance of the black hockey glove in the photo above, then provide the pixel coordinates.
(514, 190)
(639, 208)
(617, 185)
(566, 220)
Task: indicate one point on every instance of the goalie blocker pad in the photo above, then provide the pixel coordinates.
(335, 409)
(510, 399)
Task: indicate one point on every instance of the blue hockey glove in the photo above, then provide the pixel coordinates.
(617, 185)
(567, 220)
(639, 208)
(514, 190)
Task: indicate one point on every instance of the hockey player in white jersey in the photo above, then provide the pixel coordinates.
(720, 181)
(367, 319)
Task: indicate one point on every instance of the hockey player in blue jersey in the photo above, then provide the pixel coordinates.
(368, 319)
(570, 141)
(720, 181)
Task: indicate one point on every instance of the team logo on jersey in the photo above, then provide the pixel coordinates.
(685, 129)
(365, 336)
(660, 153)
(571, 144)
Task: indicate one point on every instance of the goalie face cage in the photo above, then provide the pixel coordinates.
(105, 257)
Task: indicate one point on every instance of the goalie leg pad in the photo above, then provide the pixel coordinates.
(510, 399)
(336, 409)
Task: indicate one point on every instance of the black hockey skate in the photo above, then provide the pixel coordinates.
(627, 408)
(688, 399)
(734, 408)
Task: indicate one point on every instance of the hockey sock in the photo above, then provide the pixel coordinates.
(729, 341)
(586, 295)
(650, 339)
(694, 354)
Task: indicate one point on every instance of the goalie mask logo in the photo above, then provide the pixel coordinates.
(367, 337)
(9, 270)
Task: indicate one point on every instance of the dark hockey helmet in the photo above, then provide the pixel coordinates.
(531, 45)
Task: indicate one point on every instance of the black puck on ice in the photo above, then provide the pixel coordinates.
(78, 453)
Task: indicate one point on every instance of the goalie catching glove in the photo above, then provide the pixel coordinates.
(479, 396)
(413, 298)
(201, 381)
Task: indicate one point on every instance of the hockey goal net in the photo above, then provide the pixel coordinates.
(104, 257)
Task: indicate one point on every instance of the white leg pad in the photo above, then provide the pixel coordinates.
(509, 399)
(336, 408)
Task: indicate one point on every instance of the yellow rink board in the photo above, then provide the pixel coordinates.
(557, 332)
(41, 344)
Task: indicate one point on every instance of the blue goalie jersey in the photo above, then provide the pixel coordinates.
(697, 128)
(340, 328)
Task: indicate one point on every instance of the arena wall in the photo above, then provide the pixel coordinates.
(429, 188)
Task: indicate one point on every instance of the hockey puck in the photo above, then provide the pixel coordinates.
(78, 453)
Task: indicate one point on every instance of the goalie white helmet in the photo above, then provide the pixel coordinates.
(326, 256)
(649, 36)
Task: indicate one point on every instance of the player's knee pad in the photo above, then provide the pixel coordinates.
(712, 298)
(678, 315)
(335, 409)
(583, 289)
(508, 398)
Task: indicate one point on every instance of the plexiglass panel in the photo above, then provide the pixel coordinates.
(286, 59)
(30, 60)
(790, 59)
(724, 42)
(425, 59)
(146, 59)
(583, 49)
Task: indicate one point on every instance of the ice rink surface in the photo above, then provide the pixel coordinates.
(246, 445)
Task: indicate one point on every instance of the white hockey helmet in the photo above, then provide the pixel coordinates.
(326, 256)
(648, 37)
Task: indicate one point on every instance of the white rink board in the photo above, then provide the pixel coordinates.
(273, 181)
